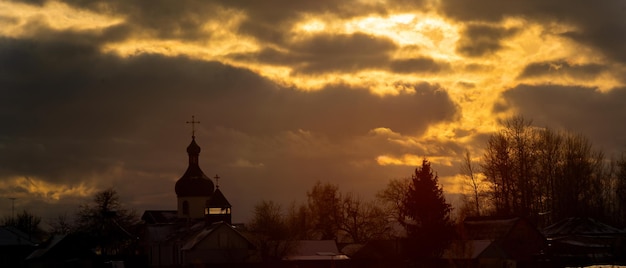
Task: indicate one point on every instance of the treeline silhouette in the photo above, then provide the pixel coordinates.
(544, 175)
(412, 211)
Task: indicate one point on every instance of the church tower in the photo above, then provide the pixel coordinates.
(193, 189)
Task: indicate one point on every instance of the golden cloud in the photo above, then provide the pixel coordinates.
(18, 18)
(35, 188)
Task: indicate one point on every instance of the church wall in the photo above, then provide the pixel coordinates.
(196, 206)
(163, 255)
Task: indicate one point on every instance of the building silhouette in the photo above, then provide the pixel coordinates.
(200, 231)
(197, 196)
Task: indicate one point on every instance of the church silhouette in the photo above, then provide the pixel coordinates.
(200, 231)
(197, 197)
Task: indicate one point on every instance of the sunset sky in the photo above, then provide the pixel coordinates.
(95, 94)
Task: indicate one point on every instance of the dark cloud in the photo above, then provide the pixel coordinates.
(31, 2)
(484, 10)
(482, 40)
(562, 68)
(342, 52)
(418, 65)
(283, 10)
(476, 67)
(582, 110)
(160, 19)
(600, 25)
(359, 111)
(73, 114)
(329, 53)
(267, 21)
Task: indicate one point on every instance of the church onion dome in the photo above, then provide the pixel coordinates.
(194, 186)
(218, 200)
(194, 182)
(193, 148)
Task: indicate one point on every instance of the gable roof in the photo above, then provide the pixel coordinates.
(199, 236)
(488, 228)
(312, 250)
(380, 249)
(580, 226)
(11, 236)
(473, 249)
(159, 216)
(50, 244)
(62, 247)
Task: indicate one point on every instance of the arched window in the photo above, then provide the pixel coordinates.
(185, 207)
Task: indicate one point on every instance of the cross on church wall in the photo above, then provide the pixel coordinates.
(217, 181)
(193, 123)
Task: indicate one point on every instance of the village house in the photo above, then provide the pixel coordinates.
(585, 241)
(15, 245)
(497, 242)
(316, 253)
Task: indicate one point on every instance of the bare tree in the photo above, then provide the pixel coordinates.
(362, 221)
(544, 175)
(107, 223)
(25, 222)
(299, 223)
(392, 198)
(549, 155)
(497, 166)
(269, 230)
(620, 190)
(324, 204)
(522, 139)
(476, 184)
(62, 224)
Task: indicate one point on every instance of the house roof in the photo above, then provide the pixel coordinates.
(379, 249)
(312, 250)
(580, 226)
(62, 247)
(159, 216)
(473, 249)
(488, 228)
(50, 244)
(202, 234)
(158, 233)
(11, 236)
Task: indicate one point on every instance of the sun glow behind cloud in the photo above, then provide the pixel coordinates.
(430, 33)
(417, 35)
(473, 83)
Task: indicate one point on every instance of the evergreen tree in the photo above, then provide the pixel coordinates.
(429, 227)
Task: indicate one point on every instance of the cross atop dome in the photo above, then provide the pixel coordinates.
(193, 123)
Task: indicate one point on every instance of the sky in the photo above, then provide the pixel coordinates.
(96, 94)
